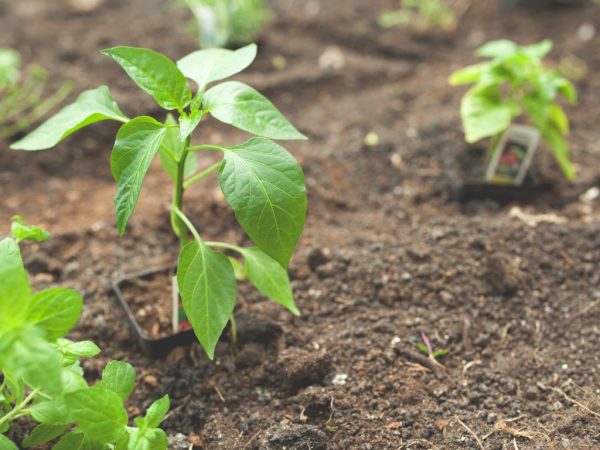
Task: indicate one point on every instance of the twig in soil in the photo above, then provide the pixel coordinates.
(254, 436)
(503, 427)
(471, 432)
(438, 369)
(217, 390)
(570, 399)
(420, 442)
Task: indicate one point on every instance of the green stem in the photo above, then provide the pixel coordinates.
(187, 223)
(233, 330)
(176, 221)
(18, 410)
(206, 147)
(224, 245)
(193, 180)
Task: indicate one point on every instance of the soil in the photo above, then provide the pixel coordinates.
(511, 291)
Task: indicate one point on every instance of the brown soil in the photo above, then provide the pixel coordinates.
(386, 254)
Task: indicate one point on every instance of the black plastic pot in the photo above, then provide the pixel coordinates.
(465, 177)
(157, 347)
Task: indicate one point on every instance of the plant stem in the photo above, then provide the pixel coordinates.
(193, 180)
(224, 245)
(176, 221)
(233, 329)
(206, 147)
(187, 223)
(18, 409)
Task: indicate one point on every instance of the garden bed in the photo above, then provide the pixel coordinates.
(387, 253)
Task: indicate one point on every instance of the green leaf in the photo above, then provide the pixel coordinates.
(237, 104)
(72, 379)
(467, 75)
(147, 439)
(43, 433)
(55, 311)
(559, 119)
(90, 107)
(206, 66)
(7, 444)
(136, 145)
(265, 187)
(23, 232)
(76, 440)
(14, 288)
(157, 411)
(155, 74)
(538, 50)
(484, 114)
(119, 377)
(189, 123)
(560, 149)
(98, 412)
(269, 278)
(30, 357)
(51, 412)
(501, 48)
(239, 269)
(72, 351)
(208, 291)
(171, 150)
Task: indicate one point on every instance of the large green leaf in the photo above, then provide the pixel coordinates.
(51, 412)
(265, 187)
(91, 106)
(269, 277)
(213, 64)
(484, 114)
(239, 105)
(76, 440)
(155, 74)
(14, 286)
(98, 412)
(136, 145)
(208, 291)
(119, 377)
(55, 311)
(43, 433)
(7, 444)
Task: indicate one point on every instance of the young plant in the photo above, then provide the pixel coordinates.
(20, 95)
(512, 84)
(421, 14)
(260, 180)
(41, 379)
(228, 23)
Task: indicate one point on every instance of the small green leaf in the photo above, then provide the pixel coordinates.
(239, 269)
(119, 377)
(484, 114)
(171, 150)
(55, 311)
(76, 440)
(501, 48)
(237, 104)
(72, 351)
(72, 379)
(208, 291)
(269, 278)
(155, 74)
(51, 412)
(157, 412)
(98, 412)
(467, 75)
(91, 106)
(206, 66)
(189, 123)
(14, 288)
(265, 187)
(147, 439)
(43, 433)
(23, 232)
(136, 145)
(7, 444)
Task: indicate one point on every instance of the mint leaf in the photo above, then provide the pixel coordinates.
(208, 290)
(147, 439)
(264, 185)
(55, 311)
(155, 74)
(72, 351)
(237, 104)
(91, 106)
(7, 444)
(98, 412)
(119, 377)
(213, 64)
(14, 288)
(76, 440)
(43, 433)
(23, 232)
(157, 412)
(269, 277)
(50, 412)
(136, 145)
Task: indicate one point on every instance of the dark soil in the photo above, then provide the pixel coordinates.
(512, 291)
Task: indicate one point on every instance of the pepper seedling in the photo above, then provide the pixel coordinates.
(21, 93)
(421, 14)
(41, 378)
(260, 180)
(512, 84)
(228, 23)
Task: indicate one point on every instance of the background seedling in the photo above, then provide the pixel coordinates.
(40, 372)
(228, 23)
(21, 93)
(514, 83)
(260, 180)
(420, 14)
(427, 348)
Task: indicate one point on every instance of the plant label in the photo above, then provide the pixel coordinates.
(512, 157)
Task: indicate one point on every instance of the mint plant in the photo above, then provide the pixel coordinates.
(21, 93)
(260, 180)
(41, 378)
(228, 23)
(512, 84)
(421, 14)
